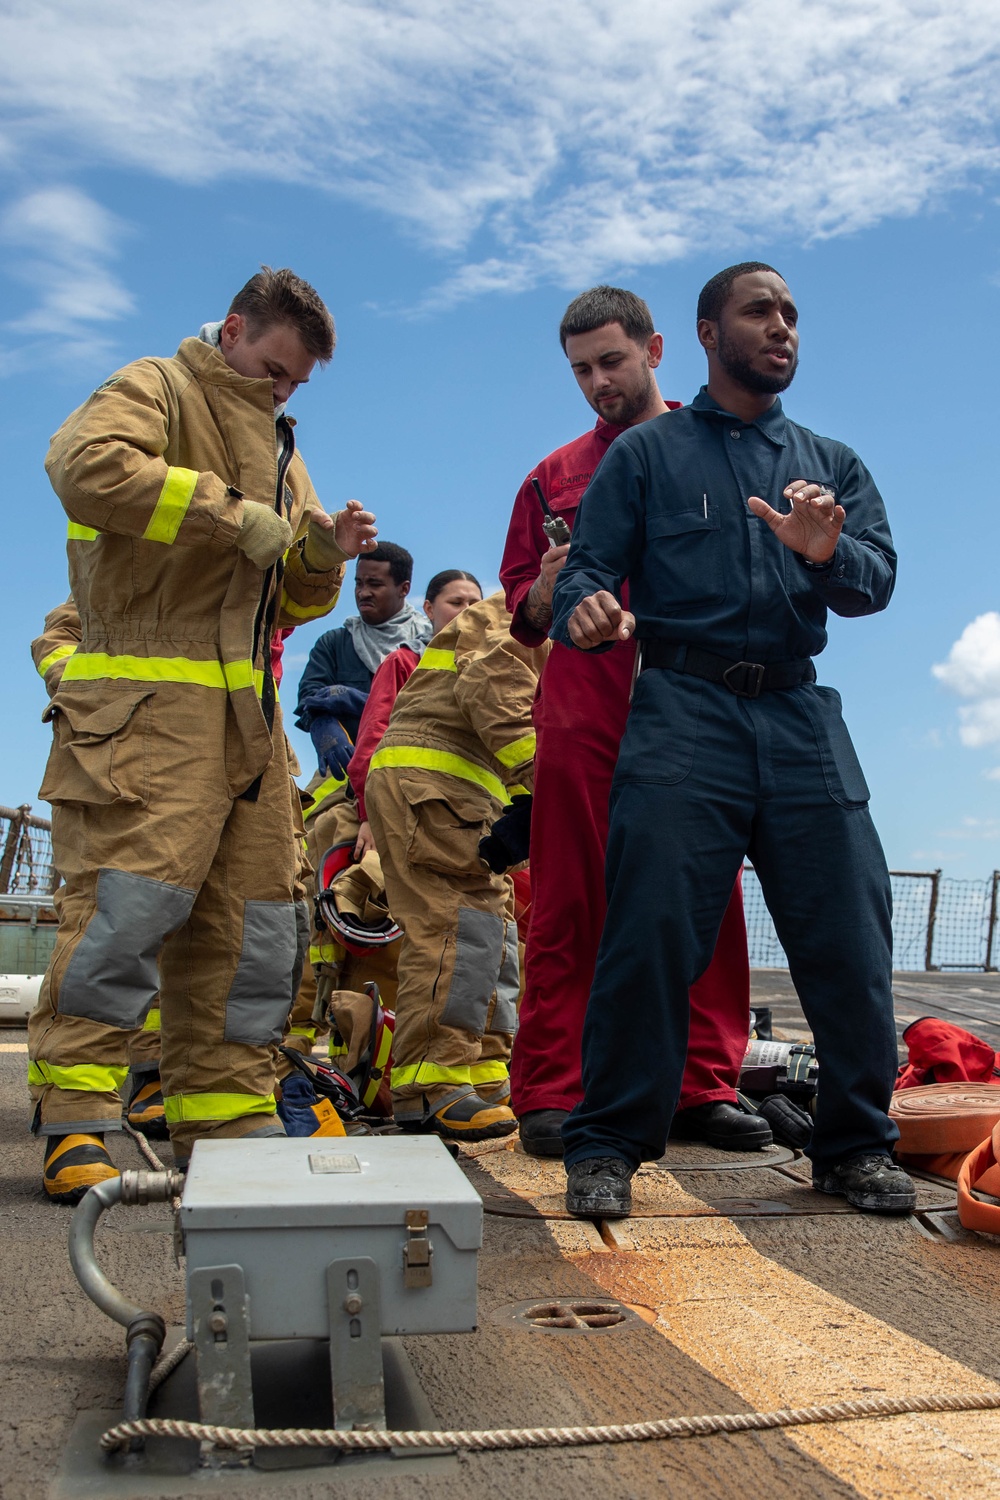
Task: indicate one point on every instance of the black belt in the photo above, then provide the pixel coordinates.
(747, 679)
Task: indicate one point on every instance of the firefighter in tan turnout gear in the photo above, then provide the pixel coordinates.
(194, 532)
(458, 747)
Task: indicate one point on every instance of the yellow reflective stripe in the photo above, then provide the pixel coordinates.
(91, 666)
(54, 656)
(489, 1072)
(326, 953)
(517, 790)
(171, 506)
(305, 611)
(86, 1078)
(241, 674)
(178, 1107)
(309, 1031)
(152, 1021)
(518, 751)
(378, 1067)
(418, 758)
(338, 1051)
(423, 1073)
(325, 789)
(78, 533)
(438, 661)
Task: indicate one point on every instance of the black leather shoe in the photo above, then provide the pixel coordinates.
(872, 1183)
(541, 1131)
(599, 1187)
(726, 1126)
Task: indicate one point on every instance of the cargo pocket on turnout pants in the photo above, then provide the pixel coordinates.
(102, 747)
(443, 828)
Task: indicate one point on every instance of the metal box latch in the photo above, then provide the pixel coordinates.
(417, 1251)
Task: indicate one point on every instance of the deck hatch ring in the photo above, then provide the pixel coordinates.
(567, 1315)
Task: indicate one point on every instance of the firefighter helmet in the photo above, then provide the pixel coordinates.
(358, 925)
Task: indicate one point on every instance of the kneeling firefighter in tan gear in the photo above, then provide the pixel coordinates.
(194, 532)
(458, 747)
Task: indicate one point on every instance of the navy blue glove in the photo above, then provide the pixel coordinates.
(334, 746)
(506, 843)
(343, 702)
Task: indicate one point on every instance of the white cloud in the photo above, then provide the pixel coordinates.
(973, 671)
(553, 141)
(61, 242)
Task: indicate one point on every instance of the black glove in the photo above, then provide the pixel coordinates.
(790, 1125)
(506, 843)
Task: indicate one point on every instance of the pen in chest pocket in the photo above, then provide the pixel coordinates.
(704, 501)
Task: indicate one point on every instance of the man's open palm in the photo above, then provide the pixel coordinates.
(812, 526)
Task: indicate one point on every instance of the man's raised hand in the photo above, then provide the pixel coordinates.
(812, 526)
(355, 530)
(600, 618)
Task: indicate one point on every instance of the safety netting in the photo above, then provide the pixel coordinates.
(938, 922)
(25, 853)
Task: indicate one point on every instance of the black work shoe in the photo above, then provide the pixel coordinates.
(600, 1187)
(872, 1183)
(74, 1164)
(145, 1107)
(722, 1124)
(541, 1131)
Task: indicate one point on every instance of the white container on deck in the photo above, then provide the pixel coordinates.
(18, 997)
(284, 1208)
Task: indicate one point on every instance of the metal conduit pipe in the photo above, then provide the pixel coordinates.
(145, 1330)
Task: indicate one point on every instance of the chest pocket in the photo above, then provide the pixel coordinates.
(684, 558)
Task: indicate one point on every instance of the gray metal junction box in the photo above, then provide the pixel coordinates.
(284, 1209)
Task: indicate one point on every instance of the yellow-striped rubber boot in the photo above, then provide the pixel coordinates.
(73, 1165)
(145, 1108)
(472, 1119)
(495, 1093)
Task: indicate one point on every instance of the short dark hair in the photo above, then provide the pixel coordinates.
(450, 575)
(273, 297)
(716, 293)
(400, 561)
(607, 304)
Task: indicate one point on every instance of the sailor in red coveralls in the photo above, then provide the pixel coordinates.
(580, 711)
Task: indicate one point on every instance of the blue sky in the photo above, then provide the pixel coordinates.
(448, 175)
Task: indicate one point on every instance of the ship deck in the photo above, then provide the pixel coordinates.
(740, 1290)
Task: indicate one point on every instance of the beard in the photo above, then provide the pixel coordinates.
(632, 403)
(739, 368)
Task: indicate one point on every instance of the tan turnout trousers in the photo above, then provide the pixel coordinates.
(171, 885)
(456, 1009)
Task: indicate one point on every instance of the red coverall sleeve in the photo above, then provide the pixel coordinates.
(393, 672)
(522, 561)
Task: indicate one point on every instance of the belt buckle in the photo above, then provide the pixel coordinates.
(757, 679)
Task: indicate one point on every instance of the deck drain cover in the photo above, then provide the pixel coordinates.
(566, 1315)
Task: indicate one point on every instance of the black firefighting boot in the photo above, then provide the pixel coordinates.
(145, 1106)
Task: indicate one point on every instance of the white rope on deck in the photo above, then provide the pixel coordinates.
(545, 1437)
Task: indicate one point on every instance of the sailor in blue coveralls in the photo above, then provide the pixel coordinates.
(737, 530)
